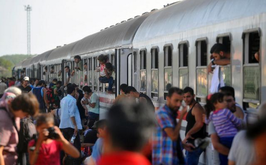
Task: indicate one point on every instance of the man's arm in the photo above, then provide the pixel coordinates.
(218, 146)
(230, 162)
(45, 97)
(197, 112)
(239, 113)
(222, 62)
(173, 133)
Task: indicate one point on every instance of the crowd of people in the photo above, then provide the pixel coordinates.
(59, 123)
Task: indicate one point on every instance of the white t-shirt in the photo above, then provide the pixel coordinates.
(242, 151)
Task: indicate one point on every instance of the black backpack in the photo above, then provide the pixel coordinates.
(26, 132)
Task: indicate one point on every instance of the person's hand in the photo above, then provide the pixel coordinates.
(209, 68)
(189, 147)
(43, 135)
(86, 113)
(187, 137)
(76, 130)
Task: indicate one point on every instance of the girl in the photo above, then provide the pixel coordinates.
(225, 122)
(46, 148)
(106, 70)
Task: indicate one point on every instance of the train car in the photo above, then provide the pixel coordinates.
(116, 42)
(171, 48)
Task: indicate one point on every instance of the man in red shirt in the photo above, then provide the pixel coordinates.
(129, 128)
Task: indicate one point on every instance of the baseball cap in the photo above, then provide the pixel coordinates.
(26, 78)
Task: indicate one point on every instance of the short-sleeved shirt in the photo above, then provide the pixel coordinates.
(94, 99)
(48, 153)
(164, 148)
(242, 150)
(25, 90)
(97, 149)
(8, 136)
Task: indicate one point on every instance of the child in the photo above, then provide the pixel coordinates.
(225, 122)
(106, 70)
(46, 148)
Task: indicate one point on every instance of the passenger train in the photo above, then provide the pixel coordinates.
(170, 47)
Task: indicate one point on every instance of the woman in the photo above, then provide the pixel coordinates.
(13, 106)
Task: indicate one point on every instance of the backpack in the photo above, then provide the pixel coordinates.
(26, 132)
(50, 95)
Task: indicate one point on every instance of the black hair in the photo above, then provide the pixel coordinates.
(87, 89)
(176, 90)
(55, 79)
(123, 87)
(103, 58)
(59, 83)
(215, 98)
(189, 90)
(130, 122)
(228, 89)
(52, 67)
(70, 88)
(41, 82)
(67, 67)
(130, 89)
(216, 48)
(85, 63)
(77, 57)
(100, 124)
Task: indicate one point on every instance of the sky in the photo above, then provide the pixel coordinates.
(58, 22)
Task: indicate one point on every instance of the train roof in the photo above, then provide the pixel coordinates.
(60, 53)
(41, 57)
(191, 14)
(120, 35)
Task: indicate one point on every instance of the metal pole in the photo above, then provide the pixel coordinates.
(28, 10)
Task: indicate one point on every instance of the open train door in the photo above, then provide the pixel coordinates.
(122, 67)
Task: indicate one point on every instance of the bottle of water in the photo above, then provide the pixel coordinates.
(73, 139)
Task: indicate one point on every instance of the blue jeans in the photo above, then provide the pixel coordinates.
(226, 141)
(192, 158)
(109, 80)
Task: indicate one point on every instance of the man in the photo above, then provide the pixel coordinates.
(123, 88)
(220, 54)
(211, 129)
(90, 102)
(67, 73)
(232, 105)
(24, 87)
(41, 94)
(70, 122)
(196, 128)
(166, 139)
(140, 96)
(129, 128)
(3, 87)
(97, 149)
(79, 64)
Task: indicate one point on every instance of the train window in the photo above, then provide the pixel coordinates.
(143, 71)
(154, 73)
(112, 59)
(226, 70)
(134, 70)
(201, 70)
(89, 75)
(168, 74)
(251, 67)
(183, 65)
(95, 66)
